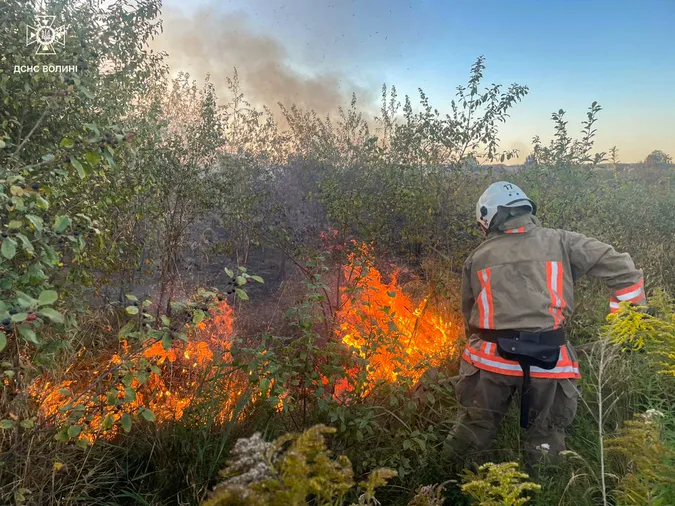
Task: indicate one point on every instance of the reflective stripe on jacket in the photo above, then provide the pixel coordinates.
(483, 355)
(522, 276)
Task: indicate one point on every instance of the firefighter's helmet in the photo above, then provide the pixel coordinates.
(500, 194)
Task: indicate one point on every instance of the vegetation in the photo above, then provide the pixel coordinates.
(187, 287)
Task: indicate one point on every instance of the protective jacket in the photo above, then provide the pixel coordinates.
(521, 278)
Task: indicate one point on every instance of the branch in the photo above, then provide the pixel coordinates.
(37, 124)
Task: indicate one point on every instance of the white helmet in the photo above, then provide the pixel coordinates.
(500, 194)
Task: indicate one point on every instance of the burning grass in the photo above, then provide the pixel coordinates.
(399, 338)
(159, 384)
(396, 338)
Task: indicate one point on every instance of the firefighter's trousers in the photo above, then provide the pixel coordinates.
(486, 397)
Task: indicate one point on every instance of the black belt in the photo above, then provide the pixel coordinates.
(527, 348)
(551, 337)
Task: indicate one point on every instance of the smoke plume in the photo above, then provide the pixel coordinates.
(212, 42)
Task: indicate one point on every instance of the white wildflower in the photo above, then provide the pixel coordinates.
(653, 413)
(248, 464)
(544, 448)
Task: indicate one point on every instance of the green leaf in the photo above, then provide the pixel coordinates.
(132, 310)
(93, 128)
(7, 424)
(42, 203)
(148, 415)
(74, 430)
(127, 330)
(28, 423)
(128, 379)
(14, 225)
(241, 280)
(8, 248)
(61, 436)
(241, 294)
(229, 272)
(82, 443)
(3, 341)
(108, 422)
(2, 144)
(166, 341)
(93, 158)
(264, 385)
(27, 245)
(126, 422)
(258, 279)
(109, 160)
(61, 223)
(52, 314)
(28, 334)
(111, 398)
(78, 167)
(47, 297)
(19, 317)
(166, 321)
(131, 297)
(67, 143)
(48, 157)
(25, 300)
(198, 316)
(129, 394)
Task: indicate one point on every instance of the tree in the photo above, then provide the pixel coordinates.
(183, 166)
(61, 140)
(657, 157)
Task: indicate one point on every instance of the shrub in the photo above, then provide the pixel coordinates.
(498, 485)
(289, 472)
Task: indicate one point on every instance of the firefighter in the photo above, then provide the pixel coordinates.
(517, 297)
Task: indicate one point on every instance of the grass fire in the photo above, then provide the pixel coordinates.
(251, 284)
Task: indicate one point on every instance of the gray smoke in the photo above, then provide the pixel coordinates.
(213, 42)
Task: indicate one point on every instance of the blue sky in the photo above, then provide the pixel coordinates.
(569, 53)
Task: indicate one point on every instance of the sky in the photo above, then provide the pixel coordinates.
(569, 53)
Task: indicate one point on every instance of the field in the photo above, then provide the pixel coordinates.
(189, 284)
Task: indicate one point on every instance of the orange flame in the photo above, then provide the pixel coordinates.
(182, 369)
(397, 337)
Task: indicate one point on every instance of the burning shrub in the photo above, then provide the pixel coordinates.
(156, 381)
(399, 339)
